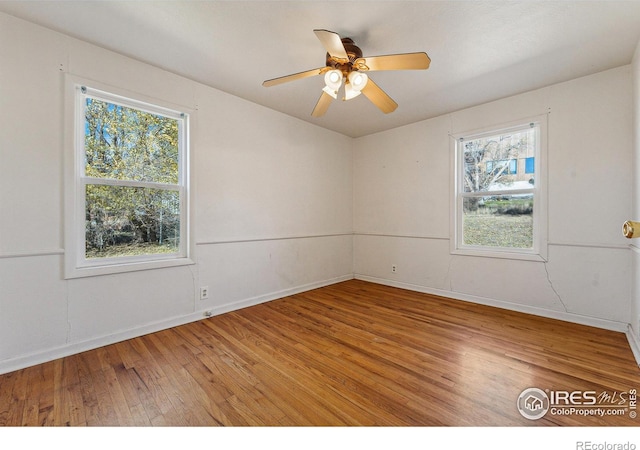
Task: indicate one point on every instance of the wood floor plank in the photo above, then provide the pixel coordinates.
(354, 353)
(32, 398)
(126, 379)
(45, 412)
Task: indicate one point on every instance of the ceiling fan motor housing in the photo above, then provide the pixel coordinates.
(353, 52)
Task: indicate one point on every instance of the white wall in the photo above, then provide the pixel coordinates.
(273, 205)
(402, 207)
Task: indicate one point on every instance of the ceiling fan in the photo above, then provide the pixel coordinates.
(345, 63)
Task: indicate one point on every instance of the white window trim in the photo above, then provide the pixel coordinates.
(76, 265)
(539, 252)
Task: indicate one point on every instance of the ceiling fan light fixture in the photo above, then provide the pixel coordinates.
(358, 80)
(333, 79)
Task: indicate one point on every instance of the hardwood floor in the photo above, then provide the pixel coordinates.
(354, 353)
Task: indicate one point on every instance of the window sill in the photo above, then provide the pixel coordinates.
(125, 267)
(501, 254)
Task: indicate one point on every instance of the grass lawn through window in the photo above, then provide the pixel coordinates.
(498, 230)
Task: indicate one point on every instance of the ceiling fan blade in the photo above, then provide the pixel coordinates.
(379, 97)
(403, 61)
(295, 76)
(332, 43)
(323, 104)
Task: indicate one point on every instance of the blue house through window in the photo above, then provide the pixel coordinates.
(529, 165)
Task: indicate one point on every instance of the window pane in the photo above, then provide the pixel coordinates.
(127, 221)
(498, 221)
(530, 164)
(498, 162)
(129, 144)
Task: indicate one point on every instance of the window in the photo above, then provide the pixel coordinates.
(129, 207)
(499, 201)
(529, 165)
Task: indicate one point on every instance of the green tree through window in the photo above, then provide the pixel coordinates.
(132, 181)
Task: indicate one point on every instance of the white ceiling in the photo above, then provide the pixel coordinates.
(480, 50)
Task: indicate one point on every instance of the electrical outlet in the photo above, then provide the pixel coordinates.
(204, 292)
(394, 268)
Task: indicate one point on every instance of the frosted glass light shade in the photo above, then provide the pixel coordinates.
(333, 79)
(358, 80)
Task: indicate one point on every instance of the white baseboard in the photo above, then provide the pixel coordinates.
(78, 347)
(551, 314)
(634, 343)
(233, 306)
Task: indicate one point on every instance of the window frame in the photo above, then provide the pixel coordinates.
(539, 250)
(76, 181)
